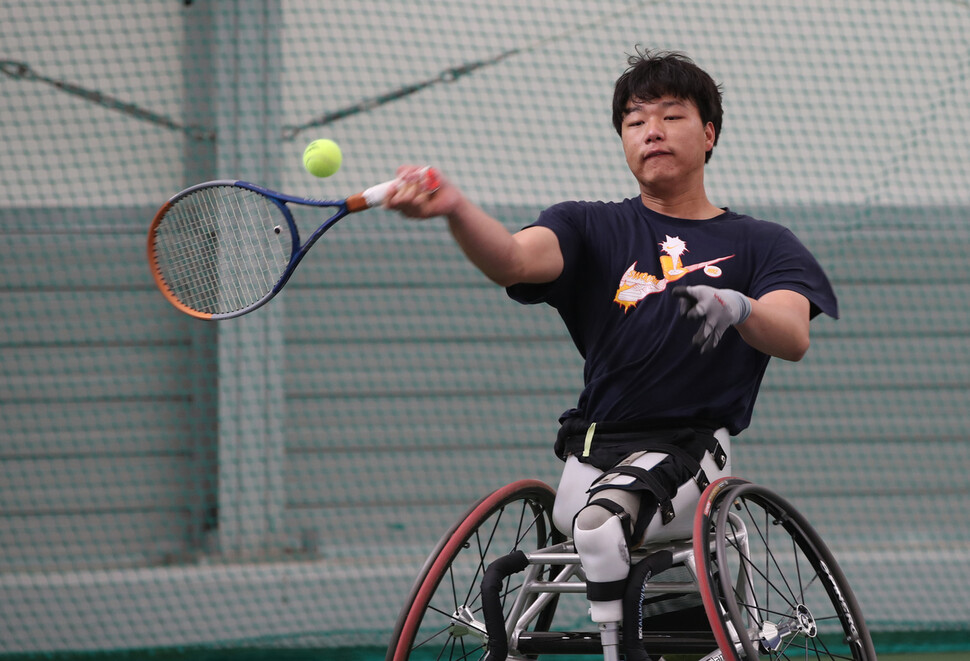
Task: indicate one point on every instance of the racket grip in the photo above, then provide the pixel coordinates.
(375, 195)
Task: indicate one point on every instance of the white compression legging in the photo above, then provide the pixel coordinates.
(599, 534)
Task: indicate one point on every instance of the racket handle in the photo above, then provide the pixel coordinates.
(375, 195)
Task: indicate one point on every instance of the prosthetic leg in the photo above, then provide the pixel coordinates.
(601, 533)
(600, 536)
(623, 502)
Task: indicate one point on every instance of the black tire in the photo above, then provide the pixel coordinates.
(515, 517)
(797, 604)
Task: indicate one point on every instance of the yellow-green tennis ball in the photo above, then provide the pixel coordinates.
(322, 158)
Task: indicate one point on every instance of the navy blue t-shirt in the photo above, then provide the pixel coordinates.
(620, 262)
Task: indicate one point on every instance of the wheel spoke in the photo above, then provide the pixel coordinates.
(776, 583)
(764, 532)
(443, 615)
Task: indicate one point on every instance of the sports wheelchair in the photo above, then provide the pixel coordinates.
(755, 581)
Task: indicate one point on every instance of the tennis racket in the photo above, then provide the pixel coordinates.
(224, 248)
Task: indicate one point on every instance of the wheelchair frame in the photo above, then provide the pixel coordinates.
(759, 599)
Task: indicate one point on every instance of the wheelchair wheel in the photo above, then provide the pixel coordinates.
(442, 616)
(771, 587)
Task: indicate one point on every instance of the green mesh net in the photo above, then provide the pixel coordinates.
(278, 480)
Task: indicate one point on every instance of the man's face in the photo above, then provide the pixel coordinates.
(665, 141)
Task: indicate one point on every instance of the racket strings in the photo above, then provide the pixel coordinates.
(222, 249)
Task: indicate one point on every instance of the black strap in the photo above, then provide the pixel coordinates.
(720, 456)
(578, 426)
(646, 482)
(631, 437)
(605, 591)
(617, 510)
(609, 448)
(684, 457)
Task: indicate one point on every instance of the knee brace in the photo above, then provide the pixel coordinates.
(600, 537)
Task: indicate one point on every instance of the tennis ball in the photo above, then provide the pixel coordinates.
(322, 158)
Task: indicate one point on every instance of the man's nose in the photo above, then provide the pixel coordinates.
(654, 132)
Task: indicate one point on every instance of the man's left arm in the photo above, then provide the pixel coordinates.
(778, 324)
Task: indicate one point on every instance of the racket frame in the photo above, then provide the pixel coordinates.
(371, 197)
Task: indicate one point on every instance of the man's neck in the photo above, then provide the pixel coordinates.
(690, 206)
(684, 197)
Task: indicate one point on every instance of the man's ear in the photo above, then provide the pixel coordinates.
(711, 136)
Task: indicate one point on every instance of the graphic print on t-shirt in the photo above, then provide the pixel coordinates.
(636, 286)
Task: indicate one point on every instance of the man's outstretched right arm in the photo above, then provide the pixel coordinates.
(531, 255)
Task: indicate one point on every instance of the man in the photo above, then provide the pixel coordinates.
(675, 304)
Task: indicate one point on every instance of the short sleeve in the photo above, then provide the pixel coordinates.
(567, 221)
(793, 267)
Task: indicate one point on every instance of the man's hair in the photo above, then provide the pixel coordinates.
(667, 73)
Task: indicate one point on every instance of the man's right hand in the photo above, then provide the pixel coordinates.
(414, 196)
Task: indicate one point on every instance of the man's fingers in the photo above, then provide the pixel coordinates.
(688, 301)
(692, 306)
(707, 337)
(683, 292)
